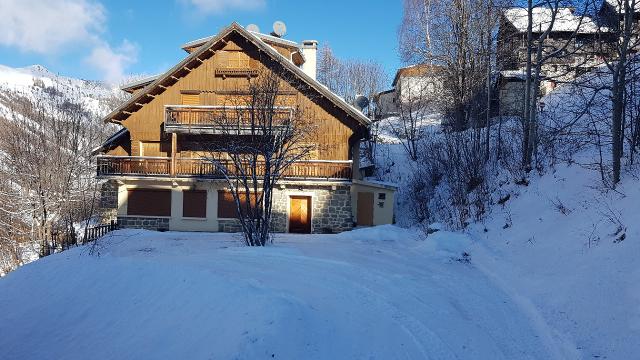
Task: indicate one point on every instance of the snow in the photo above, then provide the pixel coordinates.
(562, 252)
(565, 21)
(376, 293)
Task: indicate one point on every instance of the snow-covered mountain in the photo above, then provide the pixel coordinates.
(96, 96)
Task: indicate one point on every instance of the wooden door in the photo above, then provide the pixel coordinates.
(365, 209)
(300, 214)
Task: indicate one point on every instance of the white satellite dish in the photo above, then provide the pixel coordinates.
(253, 28)
(279, 29)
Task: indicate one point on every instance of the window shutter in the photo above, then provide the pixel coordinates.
(146, 202)
(190, 99)
(194, 203)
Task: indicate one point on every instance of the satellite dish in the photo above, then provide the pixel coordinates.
(279, 29)
(253, 28)
(361, 102)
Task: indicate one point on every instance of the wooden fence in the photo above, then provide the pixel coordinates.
(61, 239)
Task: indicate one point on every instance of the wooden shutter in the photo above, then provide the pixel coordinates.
(191, 99)
(194, 203)
(147, 202)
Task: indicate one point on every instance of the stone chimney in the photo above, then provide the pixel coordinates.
(310, 53)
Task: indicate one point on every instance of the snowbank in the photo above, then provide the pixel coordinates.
(202, 296)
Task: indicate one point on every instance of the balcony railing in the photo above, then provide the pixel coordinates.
(220, 119)
(206, 168)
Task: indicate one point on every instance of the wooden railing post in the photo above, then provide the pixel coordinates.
(174, 145)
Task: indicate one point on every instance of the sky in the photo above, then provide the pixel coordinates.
(112, 39)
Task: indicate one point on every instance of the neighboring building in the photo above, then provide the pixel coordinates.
(581, 33)
(611, 15)
(415, 83)
(157, 179)
(386, 104)
(580, 55)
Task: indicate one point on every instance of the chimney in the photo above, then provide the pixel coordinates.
(310, 50)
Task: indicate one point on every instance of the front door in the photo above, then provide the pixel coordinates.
(365, 209)
(300, 215)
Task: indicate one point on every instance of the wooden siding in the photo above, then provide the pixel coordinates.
(146, 124)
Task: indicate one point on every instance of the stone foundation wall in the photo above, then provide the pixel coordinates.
(149, 223)
(108, 205)
(331, 209)
(229, 225)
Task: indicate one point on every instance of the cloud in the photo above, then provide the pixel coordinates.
(51, 27)
(112, 63)
(45, 26)
(219, 6)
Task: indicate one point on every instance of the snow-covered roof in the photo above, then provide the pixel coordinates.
(565, 20)
(139, 82)
(618, 5)
(261, 36)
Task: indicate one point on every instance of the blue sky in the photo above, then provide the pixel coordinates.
(108, 39)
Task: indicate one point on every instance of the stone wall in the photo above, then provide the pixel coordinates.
(108, 205)
(331, 209)
(143, 222)
(229, 225)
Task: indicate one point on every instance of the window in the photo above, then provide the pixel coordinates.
(194, 203)
(190, 99)
(382, 196)
(147, 202)
(227, 205)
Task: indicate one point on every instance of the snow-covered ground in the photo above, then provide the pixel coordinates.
(379, 293)
(569, 250)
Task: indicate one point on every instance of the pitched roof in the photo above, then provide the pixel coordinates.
(565, 21)
(618, 5)
(129, 87)
(268, 38)
(111, 140)
(416, 70)
(138, 100)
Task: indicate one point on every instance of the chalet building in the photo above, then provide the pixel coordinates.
(611, 15)
(156, 176)
(580, 56)
(420, 82)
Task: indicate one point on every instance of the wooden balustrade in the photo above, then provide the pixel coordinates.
(206, 168)
(218, 117)
(133, 165)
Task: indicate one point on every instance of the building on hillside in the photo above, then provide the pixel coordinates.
(575, 39)
(156, 175)
(416, 83)
(611, 15)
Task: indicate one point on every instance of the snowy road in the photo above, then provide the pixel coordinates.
(370, 294)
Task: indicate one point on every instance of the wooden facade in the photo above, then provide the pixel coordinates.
(165, 112)
(161, 163)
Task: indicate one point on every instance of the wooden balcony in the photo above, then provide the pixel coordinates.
(115, 166)
(223, 120)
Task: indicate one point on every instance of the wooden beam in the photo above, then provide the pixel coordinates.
(127, 112)
(201, 61)
(151, 96)
(138, 104)
(174, 146)
(162, 86)
(174, 78)
(186, 68)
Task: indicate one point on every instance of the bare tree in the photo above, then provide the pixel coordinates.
(264, 134)
(622, 41)
(45, 162)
